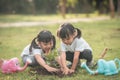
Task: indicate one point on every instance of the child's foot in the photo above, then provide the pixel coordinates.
(90, 64)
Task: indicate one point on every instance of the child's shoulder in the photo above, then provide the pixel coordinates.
(81, 38)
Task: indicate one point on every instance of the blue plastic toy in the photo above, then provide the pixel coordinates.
(104, 67)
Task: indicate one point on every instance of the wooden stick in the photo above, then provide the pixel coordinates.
(103, 53)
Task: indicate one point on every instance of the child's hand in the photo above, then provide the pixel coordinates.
(61, 69)
(71, 71)
(66, 71)
(51, 69)
(29, 61)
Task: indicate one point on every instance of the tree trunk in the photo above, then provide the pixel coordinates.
(87, 7)
(62, 4)
(118, 8)
(112, 12)
(32, 6)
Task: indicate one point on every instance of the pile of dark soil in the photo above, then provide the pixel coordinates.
(43, 71)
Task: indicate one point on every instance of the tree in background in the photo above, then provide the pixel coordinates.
(32, 6)
(112, 9)
(62, 7)
(87, 6)
(102, 6)
(118, 8)
(46, 6)
(65, 6)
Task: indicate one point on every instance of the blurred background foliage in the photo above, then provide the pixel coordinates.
(59, 6)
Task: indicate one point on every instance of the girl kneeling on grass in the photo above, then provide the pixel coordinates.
(39, 48)
(73, 48)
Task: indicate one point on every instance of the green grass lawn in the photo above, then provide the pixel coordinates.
(51, 17)
(98, 34)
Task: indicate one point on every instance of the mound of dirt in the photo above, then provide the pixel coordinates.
(42, 71)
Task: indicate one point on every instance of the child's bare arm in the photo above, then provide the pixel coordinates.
(63, 61)
(75, 60)
(41, 61)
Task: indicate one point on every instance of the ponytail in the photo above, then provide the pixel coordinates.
(79, 33)
(33, 45)
(54, 42)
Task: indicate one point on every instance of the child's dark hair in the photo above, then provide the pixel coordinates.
(43, 36)
(68, 29)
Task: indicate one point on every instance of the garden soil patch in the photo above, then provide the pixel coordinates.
(42, 71)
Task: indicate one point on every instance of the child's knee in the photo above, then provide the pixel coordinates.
(87, 51)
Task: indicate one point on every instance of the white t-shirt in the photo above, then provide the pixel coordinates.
(79, 44)
(34, 51)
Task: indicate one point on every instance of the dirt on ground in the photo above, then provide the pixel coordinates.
(43, 71)
(39, 23)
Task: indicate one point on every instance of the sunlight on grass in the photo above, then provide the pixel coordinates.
(42, 18)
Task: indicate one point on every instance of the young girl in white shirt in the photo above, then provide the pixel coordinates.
(73, 48)
(38, 50)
